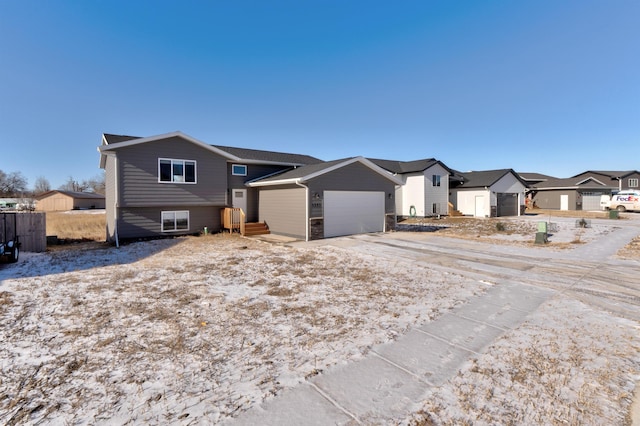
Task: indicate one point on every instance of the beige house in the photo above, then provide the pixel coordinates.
(57, 200)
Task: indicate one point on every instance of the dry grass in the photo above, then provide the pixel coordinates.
(631, 250)
(80, 225)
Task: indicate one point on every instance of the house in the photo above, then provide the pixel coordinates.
(174, 184)
(488, 193)
(58, 200)
(425, 186)
(329, 199)
(582, 191)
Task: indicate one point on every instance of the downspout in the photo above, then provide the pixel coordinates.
(306, 209)
(115, 201)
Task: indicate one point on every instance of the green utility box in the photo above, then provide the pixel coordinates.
(542, 227)
(613, 214)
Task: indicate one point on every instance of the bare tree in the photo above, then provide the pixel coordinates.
(95, 184)
(41, 186)
(12, 184)
(72, 185)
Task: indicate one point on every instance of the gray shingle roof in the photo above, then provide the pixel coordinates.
(303, 171)
(119, 138)
(405, 166)
(86, 195)
(271, 156)
(483, 178)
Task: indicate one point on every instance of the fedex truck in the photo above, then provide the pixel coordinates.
(623, 201)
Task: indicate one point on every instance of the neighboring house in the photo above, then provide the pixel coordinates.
(489, 193)
(329, 199)
(174, 184)
(58, 200)
(582, 191)
(425, 186)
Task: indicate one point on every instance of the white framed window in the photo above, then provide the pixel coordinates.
(435, 180)
(633, 182)
(175, 221)
(171, 170)
(238, 170)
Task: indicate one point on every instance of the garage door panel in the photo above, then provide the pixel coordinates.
(507, 204)
(353, 212)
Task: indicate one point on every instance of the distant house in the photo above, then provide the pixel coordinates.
(174, 184)
(425, 186)
(488, 193)
(582, 191)
(58, 200)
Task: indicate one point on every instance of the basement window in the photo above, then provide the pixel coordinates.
(175, 221)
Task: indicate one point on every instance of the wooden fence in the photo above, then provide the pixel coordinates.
(31, 228)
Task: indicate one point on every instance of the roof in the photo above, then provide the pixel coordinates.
(571, 183)
(611, 174)
(538, 177)
(271, 156)
(251, 156)
(308, 172)
(83, 195)
(401, 167)
(486, 178)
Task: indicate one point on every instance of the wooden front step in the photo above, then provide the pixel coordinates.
(259, 228)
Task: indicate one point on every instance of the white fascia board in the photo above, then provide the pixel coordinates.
(167, 136)
(590, 178)
(295, 181)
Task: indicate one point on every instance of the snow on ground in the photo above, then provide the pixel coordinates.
(197, 330)
(568, 364)
(194, 329)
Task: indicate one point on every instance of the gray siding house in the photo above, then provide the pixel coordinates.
(173, 184)
(582, 191)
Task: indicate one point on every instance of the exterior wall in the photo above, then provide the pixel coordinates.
(413, 193)
(551, 199)
(145, 222)
(283, 209)
(55, 202)
(89, 203)
(625, 182)
(438, 195)
(465, 201)
(138, 175)
(509, 184)
(110, 197)
(254, 171)
(354, 177)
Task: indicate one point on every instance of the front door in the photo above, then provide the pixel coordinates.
(479, 211)
(239, 199)
(564, 202)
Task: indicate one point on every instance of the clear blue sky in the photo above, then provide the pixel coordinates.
(545, 86)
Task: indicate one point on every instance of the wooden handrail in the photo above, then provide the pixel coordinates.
(233, 219)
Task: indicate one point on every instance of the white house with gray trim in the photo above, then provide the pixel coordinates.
(489, 193)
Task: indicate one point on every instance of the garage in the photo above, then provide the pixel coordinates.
(591, 200)
(353, 212)
(507, 204)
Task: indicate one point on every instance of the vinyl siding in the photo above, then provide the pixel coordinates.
(145, 222)
(253, 171)
(284, 211)
(436, 194)
(110, 197)
(355, 177)
(138, 175)
(551, 199)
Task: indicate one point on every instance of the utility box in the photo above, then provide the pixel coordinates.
(541, 238)
(542, 227)
(613, 214)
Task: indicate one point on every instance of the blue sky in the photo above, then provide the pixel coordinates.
(545, 86)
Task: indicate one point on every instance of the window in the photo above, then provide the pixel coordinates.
(176, 171)
(175, 221)
(435, 209)
(435, 180)
(238, 170)
(633, 183)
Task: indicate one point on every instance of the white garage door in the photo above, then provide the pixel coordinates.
(353, 212)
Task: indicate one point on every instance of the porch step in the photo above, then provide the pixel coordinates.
(258, 228)
(454, 212)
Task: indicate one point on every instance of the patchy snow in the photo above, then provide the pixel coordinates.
(195, 329)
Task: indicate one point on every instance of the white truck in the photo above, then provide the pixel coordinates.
(628, 200)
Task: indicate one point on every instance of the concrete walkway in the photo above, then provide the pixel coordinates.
(390, 382)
